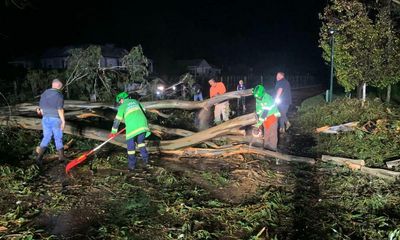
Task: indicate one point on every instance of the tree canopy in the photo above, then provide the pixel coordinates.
(366, 46)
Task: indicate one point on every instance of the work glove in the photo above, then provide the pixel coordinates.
(111, 135)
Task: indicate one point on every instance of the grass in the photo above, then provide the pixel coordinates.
(376, 146)
(301, 202)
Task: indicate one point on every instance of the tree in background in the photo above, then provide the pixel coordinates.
(362, 52)
(84, 72)
(389, 49)
(38, 80)
(136, 63)
(82, 67)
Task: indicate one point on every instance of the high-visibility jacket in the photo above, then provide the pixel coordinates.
(266, 107)
(131, 112)
(218, 89)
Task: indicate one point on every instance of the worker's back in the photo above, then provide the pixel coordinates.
(131, 111)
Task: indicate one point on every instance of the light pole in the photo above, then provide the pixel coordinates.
(331, 32)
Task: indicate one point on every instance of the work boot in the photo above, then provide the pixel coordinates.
(61, 156)
(39, 157)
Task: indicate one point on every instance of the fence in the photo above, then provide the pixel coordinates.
(296, 81)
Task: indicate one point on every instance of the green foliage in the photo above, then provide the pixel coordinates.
(315, 113)
(376, 146)
(366, 51)
(39, 80)
(17, 144)
(85, 75)
(82, 72)
(136, 64)
(216, 179)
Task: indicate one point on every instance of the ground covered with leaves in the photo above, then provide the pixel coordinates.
(240, 197)
(107, 202)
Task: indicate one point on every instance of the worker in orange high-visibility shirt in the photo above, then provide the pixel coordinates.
(218, 88)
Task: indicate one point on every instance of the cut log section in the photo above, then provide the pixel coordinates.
(360, 165)
(351, 126)
(393, 163)
(351, 163)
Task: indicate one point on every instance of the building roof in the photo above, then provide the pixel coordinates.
(108, 50)
(191, 62)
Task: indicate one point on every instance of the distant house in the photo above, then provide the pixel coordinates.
(56, 58)
(199, 67)
(25, 62)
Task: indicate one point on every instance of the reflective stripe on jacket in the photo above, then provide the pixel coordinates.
(135, 121)
(267, 103)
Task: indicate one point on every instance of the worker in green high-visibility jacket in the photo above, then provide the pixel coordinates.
(132, 113)
(267, 115)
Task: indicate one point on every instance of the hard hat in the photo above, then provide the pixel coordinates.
(258, 91)
(121, 95)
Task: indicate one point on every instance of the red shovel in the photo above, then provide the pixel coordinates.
(82, 158)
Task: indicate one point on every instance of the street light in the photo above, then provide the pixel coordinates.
(332, 33)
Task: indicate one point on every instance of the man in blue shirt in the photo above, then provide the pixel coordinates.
(53, 122)
(283, 98)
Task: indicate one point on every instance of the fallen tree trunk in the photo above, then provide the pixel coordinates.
(235, 150)
(210, 133)
(72, 105)
(165, 147)
(190, 138)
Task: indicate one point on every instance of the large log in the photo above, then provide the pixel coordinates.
(234, 150)
(210, 133)
(70, 105)
(191, 138)
(166, 147)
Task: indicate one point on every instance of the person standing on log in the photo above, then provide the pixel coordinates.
(241, 102)
(51, 107)
(267, 115)
(283, 98)
(132, 113)
(218, 88)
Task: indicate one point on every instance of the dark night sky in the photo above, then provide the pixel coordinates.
(260, 34)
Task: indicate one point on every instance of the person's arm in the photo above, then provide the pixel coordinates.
(117, 120)
(61, 114)
(223, 88)
(60, 110)
(279, 93)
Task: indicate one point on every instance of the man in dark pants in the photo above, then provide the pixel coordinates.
(132, 113)
(283, 98)
(53, 122)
